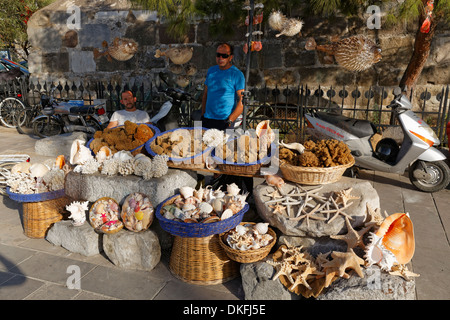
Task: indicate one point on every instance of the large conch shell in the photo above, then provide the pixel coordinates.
(265, 132)
(178, 55)
(393, 243)
(79, 153)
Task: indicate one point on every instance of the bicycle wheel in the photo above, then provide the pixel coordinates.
(9, 109)
(46, 127)
(23, 123)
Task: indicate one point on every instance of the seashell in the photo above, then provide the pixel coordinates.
(205, 207)
(189, 220)
(169, 215)
(217, 205)
(79, 153)
(241, 230)
(293, 146)
(261, 227)
(60, 161)
(211, 219)
(38, 170)
(187, 192)
(393, 243)
(264, 132)
(199, 193)
(188, 207)
(123, 155)
(77, 212)
(178, 213)
(233, 189)
(22, 167)
(228, 213)
(103, 154)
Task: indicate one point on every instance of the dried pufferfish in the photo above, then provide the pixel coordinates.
(122, 49)
(356, 53)
(286, 26)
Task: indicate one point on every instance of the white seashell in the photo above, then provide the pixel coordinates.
(188, 207)
(199, 193)
(103, 154)
(205, 207)
(79, 153)
(293, 146)
(38, 170)
(217, 205)
(226, 214)
(21, 167)
(210, 163)
(78, 212)
(233, 189)
(178, 213)
(241, 230)
(123, 155)
(169, 215)
(261, 227)
(187, 192)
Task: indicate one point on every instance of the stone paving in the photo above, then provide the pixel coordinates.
(34, 269)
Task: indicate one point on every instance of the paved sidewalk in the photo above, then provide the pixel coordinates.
(34, 269)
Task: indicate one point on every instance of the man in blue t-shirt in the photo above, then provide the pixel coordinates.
(224, 85)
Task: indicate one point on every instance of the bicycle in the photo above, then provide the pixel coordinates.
(7, 161)
(24, 118)
(10, 108)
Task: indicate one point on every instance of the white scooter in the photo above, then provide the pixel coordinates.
(426, 165)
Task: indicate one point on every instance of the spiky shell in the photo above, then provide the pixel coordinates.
(187, 192)
(233, 189)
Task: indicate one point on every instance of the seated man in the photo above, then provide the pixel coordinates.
(130, 112)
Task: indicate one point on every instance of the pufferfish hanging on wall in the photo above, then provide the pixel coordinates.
(356, 53)
(121, 49)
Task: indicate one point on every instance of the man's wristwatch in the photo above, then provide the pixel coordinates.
(229, 122)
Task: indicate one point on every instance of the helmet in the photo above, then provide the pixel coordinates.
(387, 150)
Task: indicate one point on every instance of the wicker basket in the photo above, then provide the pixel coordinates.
(201, 261)
(250, 168)
(92, 216)
(38, 217)
(247, 256)
(313, 175)
(196, 230)
(197, 161)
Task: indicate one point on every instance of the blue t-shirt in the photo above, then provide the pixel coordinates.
(222, 86)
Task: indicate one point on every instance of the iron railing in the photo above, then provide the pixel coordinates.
(284, 106)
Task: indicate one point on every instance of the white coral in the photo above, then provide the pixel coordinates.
(142, 164)
(126, 167)
(159, 165)
(214, 137)
(89, 167)
(110, 167)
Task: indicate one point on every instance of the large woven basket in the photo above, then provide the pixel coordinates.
(196, 230)
(313, 175)
(235, 168)
(35, 197)
(38, 217)
(201, 261)
(247, 256)
(197, 161)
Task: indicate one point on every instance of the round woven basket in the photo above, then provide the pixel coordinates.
(201, 261)
(247, 256)
(196, 161)
(196, 230)
(35, 197)
(92, 217)
(38, 217)
(313, 175)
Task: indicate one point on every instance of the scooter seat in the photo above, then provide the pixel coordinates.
(359, 128)
(81, 110)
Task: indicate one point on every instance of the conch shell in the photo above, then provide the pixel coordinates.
(393, 243)
(293, 146)
(264, 132)
(79, 153)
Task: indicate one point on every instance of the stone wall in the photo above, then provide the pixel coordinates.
(61, 53)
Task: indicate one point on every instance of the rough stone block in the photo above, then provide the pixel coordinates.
(133, 250)
(56, 145)
(91, 187)
(82, 61)
(82, 239)
(320, 228)
(257, 284)
(92, 35)
(143, 32)
(55, 62)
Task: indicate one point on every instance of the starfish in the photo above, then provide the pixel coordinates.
(338, 210)
(402, 271)
(353, 238)
(345, 260)
(344, 195)
(310, 214)
(278, 209)
(282, 268)
(301, 276)
(374, 217)
(274, 194)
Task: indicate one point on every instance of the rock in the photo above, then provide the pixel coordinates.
(56, 145)
(319, 228)
(92, 187)
(82, 239)
(257, 284)
(133, 250)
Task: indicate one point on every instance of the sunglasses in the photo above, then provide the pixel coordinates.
(223, 55)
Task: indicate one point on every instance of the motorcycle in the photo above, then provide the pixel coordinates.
(68, 116)
(426, 165)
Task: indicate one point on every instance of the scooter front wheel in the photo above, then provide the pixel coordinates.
(429, 176)
(46, 127)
